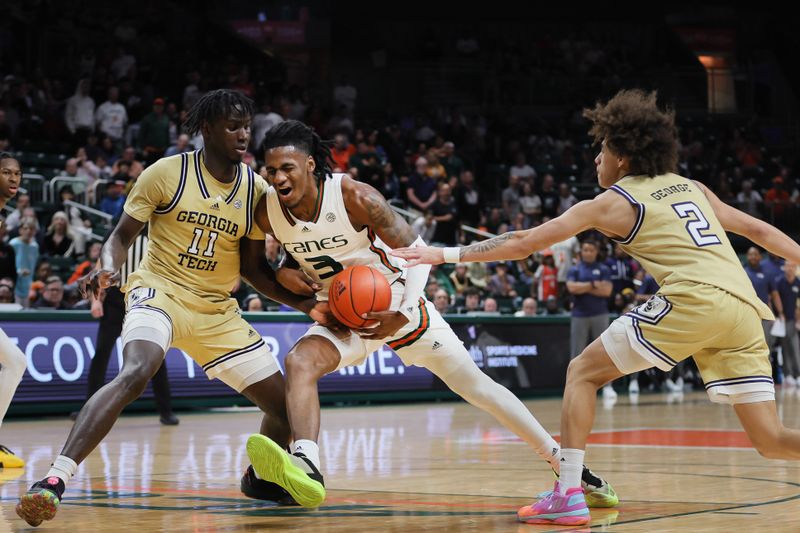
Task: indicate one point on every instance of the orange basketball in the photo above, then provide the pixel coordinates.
(356, 290)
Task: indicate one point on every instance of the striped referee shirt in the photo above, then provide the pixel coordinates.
(136, 253)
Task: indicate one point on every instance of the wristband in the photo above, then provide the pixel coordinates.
(452, 254)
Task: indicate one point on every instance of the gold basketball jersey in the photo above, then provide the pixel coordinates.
(195, 225)
(678, 238)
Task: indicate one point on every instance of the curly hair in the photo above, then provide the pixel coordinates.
(632, 125)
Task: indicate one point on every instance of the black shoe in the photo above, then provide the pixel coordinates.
(259, 489)
(41, 501)
(169, 420)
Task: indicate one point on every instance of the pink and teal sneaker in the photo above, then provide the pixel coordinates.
(567, 510)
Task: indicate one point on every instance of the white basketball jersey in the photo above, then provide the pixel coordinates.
(328, 243)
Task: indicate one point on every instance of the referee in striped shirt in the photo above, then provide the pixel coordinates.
(111, 312)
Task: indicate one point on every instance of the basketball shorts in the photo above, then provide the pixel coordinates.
(721, 332)
(215, 336)
(427, 341)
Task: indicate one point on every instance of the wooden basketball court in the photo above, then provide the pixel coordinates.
(677, 466)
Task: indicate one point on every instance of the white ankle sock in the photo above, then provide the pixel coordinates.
(309, 448)
(571, 469)
(64, 468)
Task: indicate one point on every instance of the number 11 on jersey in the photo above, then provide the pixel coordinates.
(198, 235)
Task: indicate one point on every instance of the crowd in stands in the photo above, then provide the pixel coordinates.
(460, 176)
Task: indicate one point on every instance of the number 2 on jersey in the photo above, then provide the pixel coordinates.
(198, 235)
(697, 225)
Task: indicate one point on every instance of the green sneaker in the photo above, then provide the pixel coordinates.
(598, 493)
(598, 497)
(295, 472)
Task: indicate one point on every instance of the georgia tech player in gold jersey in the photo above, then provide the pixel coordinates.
(200, 208)
(706, 308)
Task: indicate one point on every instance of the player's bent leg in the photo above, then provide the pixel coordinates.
(307, 362)
(269, 394)
(567, 504)
(766, 431)
(12, 368)
(586, 374)
(142, 358)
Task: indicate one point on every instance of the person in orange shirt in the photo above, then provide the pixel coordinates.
(341, 152)
(777, 197)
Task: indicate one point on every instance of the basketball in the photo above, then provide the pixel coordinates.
(357, 290)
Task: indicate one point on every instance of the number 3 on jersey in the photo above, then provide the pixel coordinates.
(697, 225)
(325, 261)
(198, 236)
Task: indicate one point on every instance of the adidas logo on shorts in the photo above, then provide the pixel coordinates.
(436, 345)
(251, 334)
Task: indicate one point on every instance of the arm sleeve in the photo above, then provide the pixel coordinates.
(416, 279)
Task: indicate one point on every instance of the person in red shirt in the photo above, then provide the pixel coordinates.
(777, 197)
(341, 152)
(546, 277)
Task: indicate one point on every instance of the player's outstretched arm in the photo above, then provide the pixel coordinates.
(516, 245)
(758, 231)
(113, 255)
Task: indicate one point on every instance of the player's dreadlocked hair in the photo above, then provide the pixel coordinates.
(633, 126)
(295, 133)
(215, 105)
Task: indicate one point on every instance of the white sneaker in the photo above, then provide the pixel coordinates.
(609, 392)
(633, 386)
(675, 397)
(673, 386)
(790, 381)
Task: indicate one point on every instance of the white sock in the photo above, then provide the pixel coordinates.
(555, 460)
(12, 366)
(64, 468)
(571, 469)
(484, 393)
(309, 448)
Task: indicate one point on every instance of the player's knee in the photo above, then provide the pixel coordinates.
(579, 370)
(587, 369)
(300, 364)
(133, 379)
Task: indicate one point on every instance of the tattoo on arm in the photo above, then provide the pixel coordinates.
(390, 227)
(468, 252)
